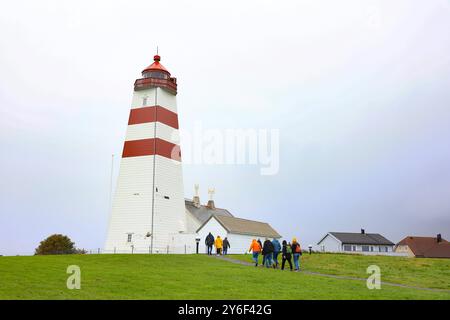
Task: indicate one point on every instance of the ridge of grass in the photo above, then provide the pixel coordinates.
(176, 277)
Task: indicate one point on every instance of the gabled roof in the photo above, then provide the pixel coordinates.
(361, 238)
(427, 247)
(244, 226)
(203, 213)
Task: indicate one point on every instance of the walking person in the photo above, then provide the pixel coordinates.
(276, 251)
(255, 249)
(209, 241)
(267, 253)
(226, 245)
(261, 245)
(286, 254)
(219, 245)
(296, 252)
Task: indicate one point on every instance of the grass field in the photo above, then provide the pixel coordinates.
(203, 277)
(429, 273)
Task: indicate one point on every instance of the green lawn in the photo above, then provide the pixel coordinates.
(419, 272)
(186, 277)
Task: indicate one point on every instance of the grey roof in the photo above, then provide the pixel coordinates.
(203, 213)
(361, 238)
(244, 226)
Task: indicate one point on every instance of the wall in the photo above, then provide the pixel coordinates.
(373, 249)
(133, 199)
(192, 224)
(390, 253)
(240, 244)
(215, 228)
(404, 249)
(330, 244)
(182, 243)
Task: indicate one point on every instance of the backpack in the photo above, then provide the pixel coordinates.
(297, 248)
(288, 249)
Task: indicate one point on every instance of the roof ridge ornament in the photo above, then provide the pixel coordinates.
(211, 192)
(196, 186)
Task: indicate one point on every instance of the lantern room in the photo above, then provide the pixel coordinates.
(156, 75)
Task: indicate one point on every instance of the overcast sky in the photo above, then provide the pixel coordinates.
(359, 91)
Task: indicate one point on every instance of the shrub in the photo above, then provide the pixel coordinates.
(56, 244)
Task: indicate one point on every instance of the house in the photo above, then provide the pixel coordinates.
(424, 247)
(240, 232)
(202, 219)
(347, 242)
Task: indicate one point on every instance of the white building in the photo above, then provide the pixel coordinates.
(363, 243)
(239, 232)
(203, 219)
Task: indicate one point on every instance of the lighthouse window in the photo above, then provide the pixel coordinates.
(144, 101)
(156, 74)
(129, 237)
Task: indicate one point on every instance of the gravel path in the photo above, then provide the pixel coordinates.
(245, 263)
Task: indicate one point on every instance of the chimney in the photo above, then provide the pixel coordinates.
(363, 231)
(439, 238)
(210, 203)
(196, 199)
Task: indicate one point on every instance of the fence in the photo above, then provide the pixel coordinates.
(186, 249)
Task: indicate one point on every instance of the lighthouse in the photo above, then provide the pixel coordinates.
(148, 208)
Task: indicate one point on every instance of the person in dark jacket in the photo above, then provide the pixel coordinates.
(286, 254)
(267, 253)
(226, 245)
(209, 241)
(276, 252)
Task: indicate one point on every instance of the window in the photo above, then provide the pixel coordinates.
(347, 247)
(371, 248)
(156, 74)
(129, 237)
(144, 101)
(353, 248)
(365, 248)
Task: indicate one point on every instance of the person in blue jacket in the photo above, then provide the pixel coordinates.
(276, 252)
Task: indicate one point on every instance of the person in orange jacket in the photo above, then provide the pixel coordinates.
(219, 244)
(255, 248)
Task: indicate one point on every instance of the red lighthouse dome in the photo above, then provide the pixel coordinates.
(156, 75)
(156, 68)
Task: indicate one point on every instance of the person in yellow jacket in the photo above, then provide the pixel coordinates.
(296, 252)
(218, 244)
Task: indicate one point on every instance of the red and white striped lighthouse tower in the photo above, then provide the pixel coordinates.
(148, 206)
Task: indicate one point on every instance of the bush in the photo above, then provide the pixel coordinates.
(56, 244)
